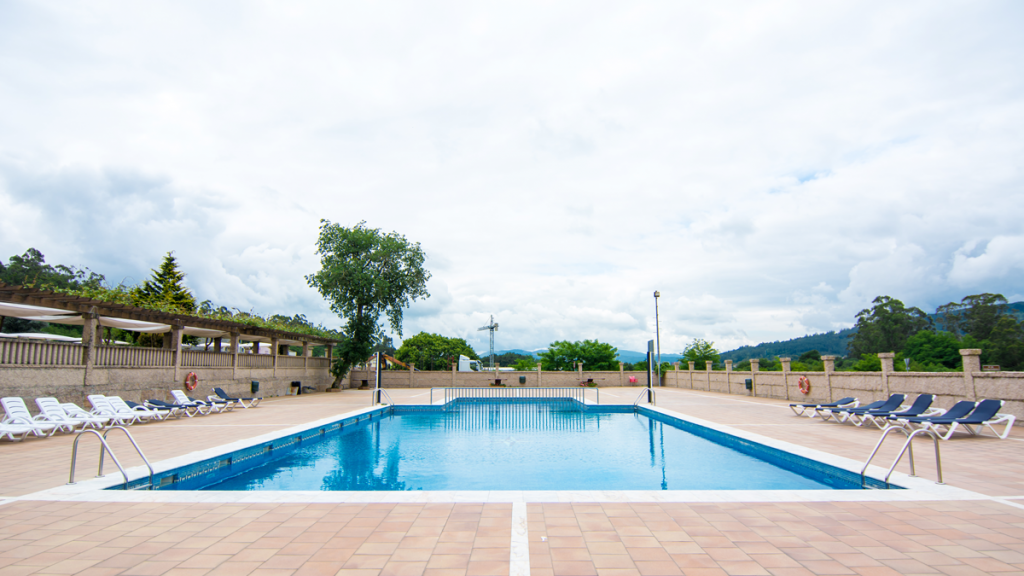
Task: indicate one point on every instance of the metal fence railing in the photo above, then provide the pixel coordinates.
(579, 394)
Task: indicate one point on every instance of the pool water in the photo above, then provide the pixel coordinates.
(521, 445)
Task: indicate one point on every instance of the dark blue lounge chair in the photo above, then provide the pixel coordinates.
(844, 414)
(879, 417)
(243, 402)
(848, 402)
(985, 414)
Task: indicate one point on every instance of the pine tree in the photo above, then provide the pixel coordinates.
(164, 289)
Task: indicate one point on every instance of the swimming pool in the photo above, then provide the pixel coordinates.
(487, 444)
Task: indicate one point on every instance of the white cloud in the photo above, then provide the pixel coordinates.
(769, 168)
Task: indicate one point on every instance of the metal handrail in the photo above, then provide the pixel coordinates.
(907, 446)
(104, 446)
(384, 393)
(654, 396)
(137, 449)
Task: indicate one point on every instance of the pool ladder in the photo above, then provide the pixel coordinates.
(106, 447)
(654, 396)
(908, 445)
(383, 394)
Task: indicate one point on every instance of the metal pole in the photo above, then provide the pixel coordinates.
(650, 375)
(657, 332)
(376, 392)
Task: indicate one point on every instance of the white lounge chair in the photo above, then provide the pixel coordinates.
(50, 411)
(984, 415)
(77, 412)
(101, 406)
(118, 404)
(9, 431)
(17, 414)
(182, 400)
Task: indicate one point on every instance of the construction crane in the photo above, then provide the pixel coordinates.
(493, 326)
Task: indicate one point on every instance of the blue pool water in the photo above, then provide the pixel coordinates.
(518, 445)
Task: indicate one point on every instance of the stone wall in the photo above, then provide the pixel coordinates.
(139, 384)
(827, 386)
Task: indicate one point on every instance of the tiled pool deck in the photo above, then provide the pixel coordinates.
(978, 529)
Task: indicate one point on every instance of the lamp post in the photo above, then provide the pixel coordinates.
(657, 332)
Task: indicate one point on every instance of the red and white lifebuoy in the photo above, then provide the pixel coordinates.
(191, 381)
(804, 384)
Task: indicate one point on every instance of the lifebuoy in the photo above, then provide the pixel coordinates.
(804, 384)
(191, 381)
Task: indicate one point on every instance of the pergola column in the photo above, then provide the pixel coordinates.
(305, 358)
(275, 349)
(89, 330)
(176, 346)
(234, 354)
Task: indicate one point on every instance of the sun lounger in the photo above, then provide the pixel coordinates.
(163, 413)
(50, 411)
(243, 402)
(189, 410)
(122, 407)
(9, 431)
(880, 417)
(800, 409)
(182, 400)
(78, 413)
(17, 414)
(102, 406)
(985, 415)
(844, 414)
(217, 404)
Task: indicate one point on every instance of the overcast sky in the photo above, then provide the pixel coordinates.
(769, 167)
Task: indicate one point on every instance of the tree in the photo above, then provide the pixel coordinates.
(934, 349)
(31, 269)
(565, 355)
(701, 352)
(365, 274)
(886, 327)
(164, 290)
(975, 315)
(433, 351)
(1006, 344)
(525, 364)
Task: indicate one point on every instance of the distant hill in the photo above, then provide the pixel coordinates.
(623, 356)
(833, 343)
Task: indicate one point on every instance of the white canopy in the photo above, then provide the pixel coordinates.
(25, 311)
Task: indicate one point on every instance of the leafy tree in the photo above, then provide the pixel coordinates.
(366, 274)
(868, 363)
(525, 364)
(433, 351)
(164, 290)
(31, 269)
(510, 358)
(564, 355)
(934, 348)
(810, 356)
(886, 327)
(975, 315)
(701, 352)
(385, 346)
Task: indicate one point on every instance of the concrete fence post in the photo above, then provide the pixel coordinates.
(887, 368)
(830, 367)
(785, 374)
(972, 363)
(754, 368)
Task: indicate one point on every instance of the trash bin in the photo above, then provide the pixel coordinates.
(522, 379)
(750, 386)
(255, 387)
(298, 387)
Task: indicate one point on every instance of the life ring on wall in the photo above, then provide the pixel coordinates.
(191, 381)
(804, 384)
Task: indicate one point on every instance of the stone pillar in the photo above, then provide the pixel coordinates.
(622, 374)
(579, 365)
(785, 374)
(755, 364)
(972, 363)
(693, 366)
(412, 368)
(708, 366)
(728, 365)
(275, 350)
(887, 368)
(89, 330)
(305, 358)
(234, 354)
(830, 367)
(176, 346)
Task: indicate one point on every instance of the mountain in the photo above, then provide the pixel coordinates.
(833, 343)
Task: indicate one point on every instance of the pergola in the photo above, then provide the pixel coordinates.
(93, 315)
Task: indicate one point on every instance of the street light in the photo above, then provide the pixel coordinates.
(657, 332)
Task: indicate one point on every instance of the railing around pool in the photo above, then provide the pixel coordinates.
(579, 394)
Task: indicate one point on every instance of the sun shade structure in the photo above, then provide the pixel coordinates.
(53, 307)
